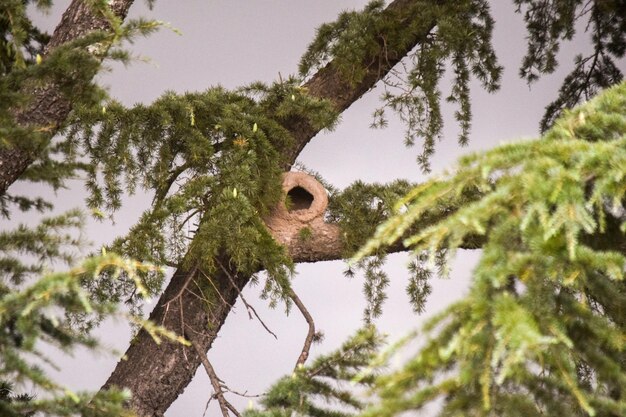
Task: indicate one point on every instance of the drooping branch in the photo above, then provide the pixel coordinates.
(328, 83)
(48, 107)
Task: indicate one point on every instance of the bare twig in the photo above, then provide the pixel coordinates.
(249, 308)
(206, 407)
(225, 406)
(242, 394)
(233, 409)
(180, 292)
(189, 216)
(181, 310)
(188, 278)
(215, 288)
(310, 334)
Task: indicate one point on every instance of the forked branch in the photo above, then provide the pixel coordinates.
(225, 406)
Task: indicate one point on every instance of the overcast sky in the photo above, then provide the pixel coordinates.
(235, 42)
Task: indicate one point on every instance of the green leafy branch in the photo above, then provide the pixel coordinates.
(542, 327)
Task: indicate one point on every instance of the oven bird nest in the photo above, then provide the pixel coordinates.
(299, 216)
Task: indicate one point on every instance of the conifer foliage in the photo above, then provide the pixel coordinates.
(42, 284)
(551, 22)
(459, 35)
(542, 331)
(42, 78)
(326, 387)
(212, 161)
(41, 313)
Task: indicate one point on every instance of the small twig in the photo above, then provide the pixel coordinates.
(343, 355)
(225, 406)
(249, 308)
(233, 409)
(308, 341)
(244, 394)
(227, 389)
(215, 288)
(206, 407)
(199, 297)
(189, 216)
(182, 324)
(130, 297)
(180, 292)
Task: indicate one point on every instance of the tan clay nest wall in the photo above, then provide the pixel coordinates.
(307, 203)
(301, 189)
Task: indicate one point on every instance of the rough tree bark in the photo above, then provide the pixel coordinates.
(157, 374)
(48, 107)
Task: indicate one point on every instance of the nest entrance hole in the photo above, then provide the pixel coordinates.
(299, 199)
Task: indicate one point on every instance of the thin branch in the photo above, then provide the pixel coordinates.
(233, 409)
(181, 310)
(225, 406)
(249, 308)
(215, 288)
(180, 292)
(161, 193)
(206, 407)
(329, 364)
(242, 394)
(198, 296)
(193, 213)
(188, 278)
(308, 341)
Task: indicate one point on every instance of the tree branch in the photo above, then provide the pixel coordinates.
(48, 107)
(308, 341)
(157, 374)
(225, 406)
(329, 84)
(249, 308)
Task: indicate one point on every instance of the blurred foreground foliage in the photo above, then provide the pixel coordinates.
(543, 328)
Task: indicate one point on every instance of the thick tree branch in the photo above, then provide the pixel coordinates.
(48, 107)
(328, 83)
(157, 374)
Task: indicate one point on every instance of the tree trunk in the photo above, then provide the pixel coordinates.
(158, 374)
(48, 107)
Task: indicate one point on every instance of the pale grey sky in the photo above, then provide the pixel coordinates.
(233, 43)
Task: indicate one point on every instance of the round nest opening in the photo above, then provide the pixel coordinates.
(299, 198)
(304, 199)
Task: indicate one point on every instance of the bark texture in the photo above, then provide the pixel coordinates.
(158, 374)
(329, 84)
(48, 108)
